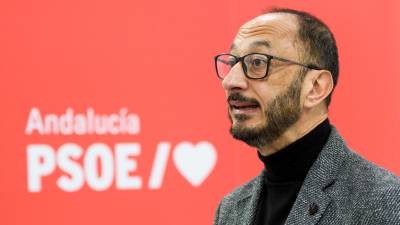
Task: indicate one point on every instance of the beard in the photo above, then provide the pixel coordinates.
(283, 111)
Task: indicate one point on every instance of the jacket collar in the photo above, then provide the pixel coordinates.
(314, 191)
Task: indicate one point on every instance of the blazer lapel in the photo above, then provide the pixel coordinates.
(313, 197)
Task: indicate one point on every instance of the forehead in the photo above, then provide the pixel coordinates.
(274, 31)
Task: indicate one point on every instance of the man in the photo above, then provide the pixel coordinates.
(278, 79)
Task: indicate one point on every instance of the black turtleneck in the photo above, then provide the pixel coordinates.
(286, 170)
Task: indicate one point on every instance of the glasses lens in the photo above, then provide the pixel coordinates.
(256, 65)
(224, 64)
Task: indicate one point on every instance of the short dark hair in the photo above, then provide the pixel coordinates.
(318, 42)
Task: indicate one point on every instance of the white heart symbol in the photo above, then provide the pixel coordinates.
(195, 162)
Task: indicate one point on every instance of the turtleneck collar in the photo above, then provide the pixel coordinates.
(293, 162)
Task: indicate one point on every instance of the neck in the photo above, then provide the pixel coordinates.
(303, 126)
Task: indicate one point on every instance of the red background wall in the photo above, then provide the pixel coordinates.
(155, 59)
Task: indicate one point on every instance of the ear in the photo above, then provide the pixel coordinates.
(318, 85)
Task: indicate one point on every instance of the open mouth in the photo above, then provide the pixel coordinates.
(240, 104)
(243, 105)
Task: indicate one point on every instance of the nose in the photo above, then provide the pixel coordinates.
(236, 79)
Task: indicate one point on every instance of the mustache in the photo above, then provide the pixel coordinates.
(238, 97)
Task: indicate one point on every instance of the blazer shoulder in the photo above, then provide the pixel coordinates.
(375, 177)
(244, 190)
(376, 188)
(226, 209)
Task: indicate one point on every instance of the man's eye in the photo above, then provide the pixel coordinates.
(258, 62)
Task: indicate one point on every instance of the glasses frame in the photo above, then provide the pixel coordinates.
(269, 58)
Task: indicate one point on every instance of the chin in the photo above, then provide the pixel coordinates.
(249, 123)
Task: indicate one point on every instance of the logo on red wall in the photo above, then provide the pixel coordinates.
(99, 166)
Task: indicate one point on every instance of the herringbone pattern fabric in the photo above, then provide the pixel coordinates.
(344, 187)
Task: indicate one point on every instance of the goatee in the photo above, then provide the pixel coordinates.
(281, 113)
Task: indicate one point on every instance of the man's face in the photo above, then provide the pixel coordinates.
(262, 110)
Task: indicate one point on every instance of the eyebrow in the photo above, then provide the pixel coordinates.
(255, 44)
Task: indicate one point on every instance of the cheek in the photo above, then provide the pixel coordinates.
(265, 94)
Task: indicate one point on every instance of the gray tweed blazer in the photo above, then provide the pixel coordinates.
(340, 188)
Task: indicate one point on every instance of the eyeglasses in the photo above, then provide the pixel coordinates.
(255, 65)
